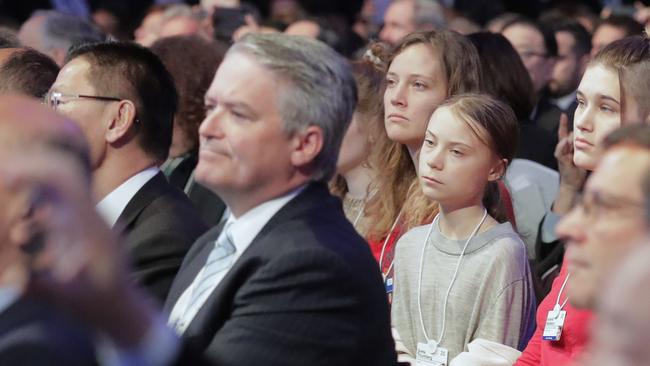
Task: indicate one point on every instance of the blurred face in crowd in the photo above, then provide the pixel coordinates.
(306, 28)
(569, 66)
(455, 165)
(179, 26)
(398, 21)
(30, 33)
(415, 84)
(598, 113)
(604, 35)
(355, 147)
(149, 30)
(620, 335)
(529, 44)
(245, 155)
(607, 222)
(93, 116)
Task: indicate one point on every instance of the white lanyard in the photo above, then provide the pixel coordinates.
(453, 279)
(557, 306)
(363, 207)
(383, 248)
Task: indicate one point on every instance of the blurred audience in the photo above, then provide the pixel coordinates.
(407, 16)
(54, 34)
(26, 71)
(537, 48)
(32, 332)
(613, 28)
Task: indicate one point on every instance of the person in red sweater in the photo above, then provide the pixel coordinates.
(575, 334)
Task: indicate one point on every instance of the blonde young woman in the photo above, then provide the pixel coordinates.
(424, 69)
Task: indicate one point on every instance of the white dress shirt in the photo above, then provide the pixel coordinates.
(565, 102)
(8, 296)
(242, 231)
(110, 207)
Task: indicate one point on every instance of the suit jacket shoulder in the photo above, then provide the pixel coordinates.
(159, 225)
(31, 333)
(306, 291)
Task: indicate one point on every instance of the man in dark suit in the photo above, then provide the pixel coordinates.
(301, 286)
(31, 332)
(124, 100)
(286, 280)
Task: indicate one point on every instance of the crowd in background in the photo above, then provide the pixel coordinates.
(297, 182)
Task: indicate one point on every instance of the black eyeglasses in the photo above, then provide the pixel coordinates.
(53, 99)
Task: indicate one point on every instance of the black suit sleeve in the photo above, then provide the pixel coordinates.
(157, 259)
(299, 309)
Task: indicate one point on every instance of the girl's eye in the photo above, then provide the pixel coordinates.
(391, 82)
(581, 103)
(606, 108)
(457, 153)
(237, 114)
(419, 85)
(428, 142)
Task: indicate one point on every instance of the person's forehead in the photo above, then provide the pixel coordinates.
(621, 171)
(565, 40)
(399, 9)
(524, 36)
(5, 53)
(74, 72)
(242, 77)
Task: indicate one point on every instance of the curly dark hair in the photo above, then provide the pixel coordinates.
(192, 61)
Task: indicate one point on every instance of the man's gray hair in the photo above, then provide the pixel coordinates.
(427, 14)
(183, 11)
(320, 89)
(64, 31)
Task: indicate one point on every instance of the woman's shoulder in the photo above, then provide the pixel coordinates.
(503, 237)
(413, 238)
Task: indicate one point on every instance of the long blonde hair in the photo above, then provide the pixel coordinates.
(397, 185)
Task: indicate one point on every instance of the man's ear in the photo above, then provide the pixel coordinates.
(498, 170)
(123, 118)
(306, 145)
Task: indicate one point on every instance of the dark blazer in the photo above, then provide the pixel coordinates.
(159, 225)
(307, 291)
(32, 334)
(536, 144)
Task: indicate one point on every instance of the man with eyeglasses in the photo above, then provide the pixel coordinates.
(610, 217)
(537, 47)
(124, 100)
(599, 231)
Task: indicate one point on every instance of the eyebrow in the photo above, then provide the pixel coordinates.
(452, 143)
(413, 75)
(601, 96)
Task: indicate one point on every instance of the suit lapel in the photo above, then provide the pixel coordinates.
(143, 198)
(217, 307)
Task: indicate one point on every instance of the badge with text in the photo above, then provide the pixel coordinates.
(554, 324)
(430, 354)
(389, 285)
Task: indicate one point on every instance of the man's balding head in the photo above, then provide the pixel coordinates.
(26, 71)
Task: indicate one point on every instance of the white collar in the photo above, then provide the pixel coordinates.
(245, 228)
(565, 102)
(8, 296)
(111, 206)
